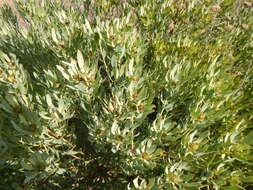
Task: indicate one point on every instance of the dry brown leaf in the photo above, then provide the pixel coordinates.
(245, 26)
(216, 8)
(171, 27)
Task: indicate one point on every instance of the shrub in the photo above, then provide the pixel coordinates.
(127, 94)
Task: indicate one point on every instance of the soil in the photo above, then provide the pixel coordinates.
(11, 4)
(21, 21)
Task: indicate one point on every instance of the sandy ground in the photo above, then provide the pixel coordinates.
(11, 4)
(21, 21)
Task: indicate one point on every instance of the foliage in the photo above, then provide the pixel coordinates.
(130, 94)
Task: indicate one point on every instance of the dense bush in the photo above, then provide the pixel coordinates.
(147, 94)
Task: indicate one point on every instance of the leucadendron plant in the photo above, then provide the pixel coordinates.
(125, 94)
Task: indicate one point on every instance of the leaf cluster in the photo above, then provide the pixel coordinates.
(114, 94)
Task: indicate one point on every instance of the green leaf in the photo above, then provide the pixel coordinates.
(249, 138)
(62, 70)
(248, 179)
(60, 171)
(49, 100)
(53, 33)
(87, 25)
(114, 128)
(136, 182)
(80, 61)
(26, 166)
